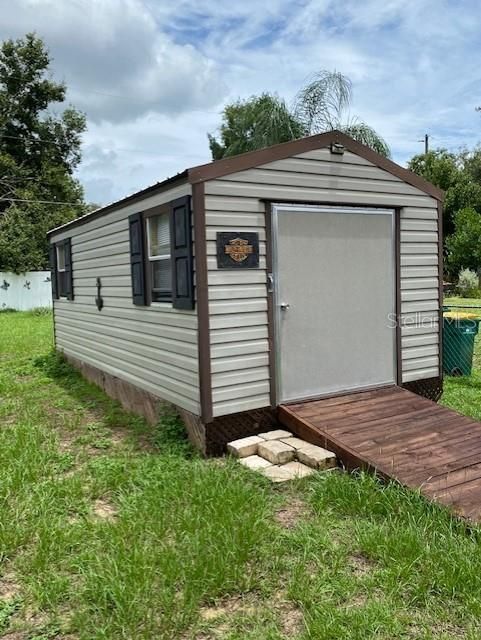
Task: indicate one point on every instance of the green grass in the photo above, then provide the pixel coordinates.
(461, 302)
(464, 394)
(110, 529)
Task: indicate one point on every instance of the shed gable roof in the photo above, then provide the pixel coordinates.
(252, 159)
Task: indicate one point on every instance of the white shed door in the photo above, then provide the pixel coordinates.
(334, 299)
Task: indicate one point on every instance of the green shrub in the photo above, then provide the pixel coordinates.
(468, 284)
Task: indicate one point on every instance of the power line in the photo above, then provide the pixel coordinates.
(113, 148)
(118, 96)
(52, 142)
(25, 138)
(57, 202)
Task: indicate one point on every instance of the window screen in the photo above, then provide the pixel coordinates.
(158, 233)
(61, 273)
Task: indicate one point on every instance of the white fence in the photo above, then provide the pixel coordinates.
(25, 291)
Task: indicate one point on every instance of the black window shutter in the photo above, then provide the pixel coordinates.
(182, 261)
(68, 269)
(53, 270)
(137, 262)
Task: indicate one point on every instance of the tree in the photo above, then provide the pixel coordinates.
(260, 121)
(459, 177)
(38, 154)
(253, 124)
(464, 245)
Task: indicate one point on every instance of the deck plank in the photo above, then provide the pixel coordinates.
(399, 435)
(418, 439)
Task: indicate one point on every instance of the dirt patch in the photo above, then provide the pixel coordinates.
(358, 601)
(291, 617)
(32, 633)
(219, 616)
(104, 510)
(118, 436)
(436, 629)
(25, 377)
(121, 436)
(229, 607)
(32, 618)
(70, 442)
(447, 630)
(9, 587)
(290, 514)
(89, 432)
(360, 565)
(9, 420)
(292, 620)
(65, 441)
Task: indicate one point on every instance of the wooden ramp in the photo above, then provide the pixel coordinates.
(400, 435)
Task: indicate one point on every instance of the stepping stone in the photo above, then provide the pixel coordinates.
(277, 473)
(316, 457)
(298, 470)
(297, 443)
(285, 472)
(276, 451)
(277, 434)
(255, 462)
(244, 446)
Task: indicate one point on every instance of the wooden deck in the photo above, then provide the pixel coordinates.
(402, 436)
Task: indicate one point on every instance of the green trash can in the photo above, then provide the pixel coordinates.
(459, 332)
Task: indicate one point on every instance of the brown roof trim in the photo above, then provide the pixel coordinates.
(138, 195)
(252, 159)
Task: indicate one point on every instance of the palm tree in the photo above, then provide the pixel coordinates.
(322, 105)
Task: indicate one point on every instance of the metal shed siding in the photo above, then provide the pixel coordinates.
(154, 348)
(238, 299)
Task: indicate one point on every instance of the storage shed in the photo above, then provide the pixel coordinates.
(307, 269)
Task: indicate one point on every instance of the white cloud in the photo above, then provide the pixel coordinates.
(168, 68)
(121, 158)
(117, 63)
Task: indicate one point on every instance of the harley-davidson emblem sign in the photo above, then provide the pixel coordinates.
(237, 249)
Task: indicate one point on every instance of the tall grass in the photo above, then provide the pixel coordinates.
(191, 549)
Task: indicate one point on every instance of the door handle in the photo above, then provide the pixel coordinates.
(285, 306)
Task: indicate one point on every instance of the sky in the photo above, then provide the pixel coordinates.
(152, 76)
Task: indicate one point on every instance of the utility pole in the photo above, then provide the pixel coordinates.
(426, 143)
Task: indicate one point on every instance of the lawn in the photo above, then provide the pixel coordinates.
(112, 529)
(464, 394)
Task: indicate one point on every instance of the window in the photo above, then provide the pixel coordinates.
(60, 254)
(61, 271)
(161, 266)
(159, 257)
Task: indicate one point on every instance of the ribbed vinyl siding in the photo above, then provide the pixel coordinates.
(154, 348)
(238, 299)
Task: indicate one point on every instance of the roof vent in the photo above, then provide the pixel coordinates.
(337, 147)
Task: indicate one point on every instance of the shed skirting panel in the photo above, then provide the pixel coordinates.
(154, 348)
(238, 298)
